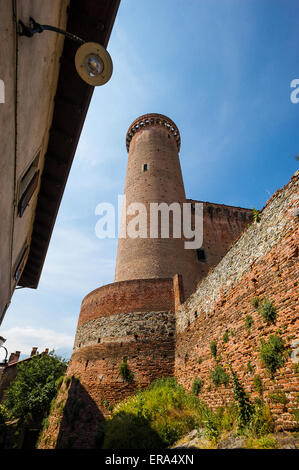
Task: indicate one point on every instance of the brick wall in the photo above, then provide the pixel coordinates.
(132, 319)
(222, 226)
(263, 263)
(146, 322)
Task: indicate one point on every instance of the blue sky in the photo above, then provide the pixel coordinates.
(221, 69)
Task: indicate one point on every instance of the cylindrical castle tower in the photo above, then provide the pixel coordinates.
(154, 176)
(131, 322)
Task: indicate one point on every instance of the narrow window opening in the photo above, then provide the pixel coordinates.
(99, 340)
(20, 263)
(28, 185)
(145, 167)
(201, 255)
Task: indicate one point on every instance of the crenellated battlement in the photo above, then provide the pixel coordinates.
(153, 119)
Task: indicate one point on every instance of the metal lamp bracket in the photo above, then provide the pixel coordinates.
(92, 61)
(35, 27)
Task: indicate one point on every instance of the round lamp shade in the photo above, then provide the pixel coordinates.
(93, 64)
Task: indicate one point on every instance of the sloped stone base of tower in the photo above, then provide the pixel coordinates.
(130, 321)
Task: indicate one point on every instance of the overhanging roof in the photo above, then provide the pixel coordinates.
(92, 20)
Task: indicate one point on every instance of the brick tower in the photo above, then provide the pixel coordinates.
(132, 320)
(134, 317)
(154, 176)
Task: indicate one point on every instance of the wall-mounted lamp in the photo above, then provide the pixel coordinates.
(2, 341)
(93, 63)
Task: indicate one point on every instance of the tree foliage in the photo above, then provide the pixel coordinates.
(35, 386)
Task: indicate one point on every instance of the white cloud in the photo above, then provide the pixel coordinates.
(76, 263)
(23, 339)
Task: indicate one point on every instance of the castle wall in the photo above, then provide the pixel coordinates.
(222, 226)
(262, 263)
(130, 319)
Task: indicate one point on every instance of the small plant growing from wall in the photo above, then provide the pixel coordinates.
(199, 360)
(245, 407)
(225, 337)
(258, 385)
(125, 372)
(268, 311)
(197, 386)
(256, 215)
(296, 414)
(255, 302)
(279, 397)
(140, 404)
(250, 368)
(272, 353)
(213, 349)
(106, 404)
(67, 381)
(219, 376)
(248, 322)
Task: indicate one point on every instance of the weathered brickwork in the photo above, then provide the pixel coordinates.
(140, 295)
(145, 319)
(114, 324)
(222, 226)
(263, 263)
(154, 140)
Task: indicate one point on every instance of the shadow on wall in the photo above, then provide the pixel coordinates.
(82, 423)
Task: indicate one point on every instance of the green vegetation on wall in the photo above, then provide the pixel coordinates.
(219, 376)
(164, 412)
(125, 372)
(248, 322)
(243, 402)
(197, 385)
(268, 311)
(258, 384)
(272, 353)
(265, 308)
(213, 349)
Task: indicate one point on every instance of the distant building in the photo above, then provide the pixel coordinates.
(9, 372)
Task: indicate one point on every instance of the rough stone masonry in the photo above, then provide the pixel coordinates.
(166, 306)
